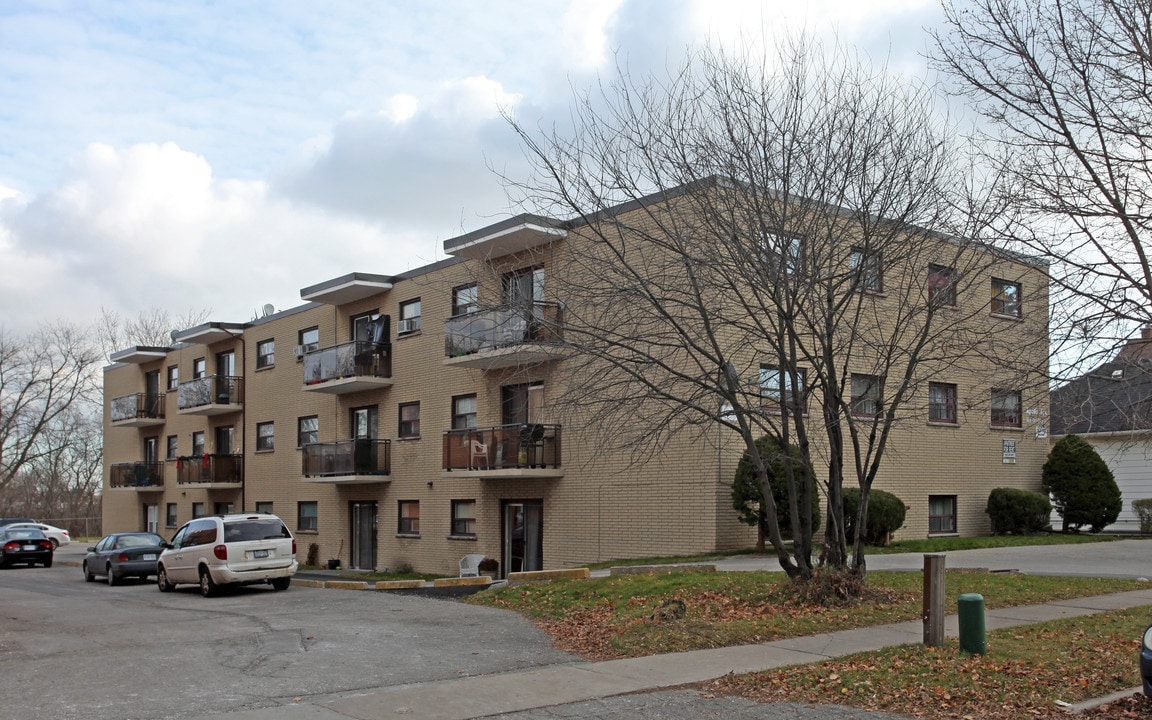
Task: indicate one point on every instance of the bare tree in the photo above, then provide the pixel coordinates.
(63, 483)
(47, 378)
(1064, 88)
(752, 247)
(151, 328)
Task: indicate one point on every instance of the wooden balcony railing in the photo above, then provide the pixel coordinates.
(136, 474)
(210, 469)
(502, 447)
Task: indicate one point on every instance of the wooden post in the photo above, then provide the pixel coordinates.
(933, 616)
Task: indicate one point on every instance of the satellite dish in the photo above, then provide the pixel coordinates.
(268, 309)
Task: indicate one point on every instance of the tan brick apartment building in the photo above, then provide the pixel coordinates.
(408, 419)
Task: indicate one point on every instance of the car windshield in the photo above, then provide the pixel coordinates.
(244, 530)
(127, 541)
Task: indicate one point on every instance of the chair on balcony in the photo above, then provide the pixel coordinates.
(532, 444)
(479, 452)
(470, 565)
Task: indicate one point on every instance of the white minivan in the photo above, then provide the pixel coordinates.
(234, 549)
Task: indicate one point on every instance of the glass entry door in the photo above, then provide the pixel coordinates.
(363, 555)
(523, 536)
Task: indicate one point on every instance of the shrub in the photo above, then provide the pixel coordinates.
(1018, 512)
(747, 498)
(885, 515)
(313, 555)
(1143, 510)
(1082, 486)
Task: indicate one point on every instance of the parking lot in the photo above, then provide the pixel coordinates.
(71, 649)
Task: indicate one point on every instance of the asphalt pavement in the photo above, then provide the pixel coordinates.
(653, 686)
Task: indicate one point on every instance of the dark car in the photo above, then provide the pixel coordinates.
(9, 521)
(24, 545)
(1146, 661)
(121, 555)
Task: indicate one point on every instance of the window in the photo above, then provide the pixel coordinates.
(1006, 408)
(223, 508)
(866, 396)
(307, 430)
(173, 376)
(781, 255)
(463, 412)
(409, 317)
(409, 420)
(226, 364)
(941, 403)
(941, 286)
(170, 515)
(464, 517)
(409, 522)
(265, 436)
(1005, 298)
(782, 388)
(867, 269)
(523, 288)
(265, 353)
(307, 516)
(309, 340)
(264, 507)
(173, 447)
(199, 368)
(465, 299)
(197, 510)
(198, 442)
(941, 514)
(362, 326)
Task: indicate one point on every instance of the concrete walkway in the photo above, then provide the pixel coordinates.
(488, 695)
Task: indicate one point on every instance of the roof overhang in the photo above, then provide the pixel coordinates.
(209, 333)
(139, 354)
(346, 289)
(518, 234)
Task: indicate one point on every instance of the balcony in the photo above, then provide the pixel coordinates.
(211, 472)
(138, 410)
(504, 337)
(503, 451)
(348, 368)
(137, 476)
(210, 395)
(348, 462)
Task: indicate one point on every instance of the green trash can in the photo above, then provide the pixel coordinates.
(972, 635)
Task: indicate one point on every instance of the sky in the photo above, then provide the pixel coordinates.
(222, 155)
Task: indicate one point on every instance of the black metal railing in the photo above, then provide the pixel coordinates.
(210, 390)
(201, 469)
(357, 456)
(136, 474)
(502, 446)
(138, 406)
(503, 327)
(353, 359)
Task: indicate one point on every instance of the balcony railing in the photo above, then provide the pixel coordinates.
(347, 458)
(502, 447)
(210, 470)
(143, 407)
(353, 359)
(503, 327)
(210, 391)
(136, 475)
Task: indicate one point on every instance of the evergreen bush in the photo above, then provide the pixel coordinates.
(885, 515)
(1082, 486)
(747, 499)
(1018, 512)
(1143, 510)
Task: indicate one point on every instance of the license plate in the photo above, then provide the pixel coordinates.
(31, 547)
(150, 556)
(259, 553)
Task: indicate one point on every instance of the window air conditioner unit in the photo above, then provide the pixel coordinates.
(407, 326)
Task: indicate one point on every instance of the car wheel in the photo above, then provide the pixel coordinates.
(88, 576)
(112, 579)
(48, 564)
(55, 544)
(162, 581)
(281, 583)
(208, 586)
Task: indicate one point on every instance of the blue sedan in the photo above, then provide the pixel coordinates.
(121, 555)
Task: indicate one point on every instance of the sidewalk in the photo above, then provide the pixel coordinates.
(485, 695)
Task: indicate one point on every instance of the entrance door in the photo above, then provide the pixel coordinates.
(152, 393)
(363, 555)
(523, 535)
(152, 518)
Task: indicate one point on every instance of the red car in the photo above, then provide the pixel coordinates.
(25, 545)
